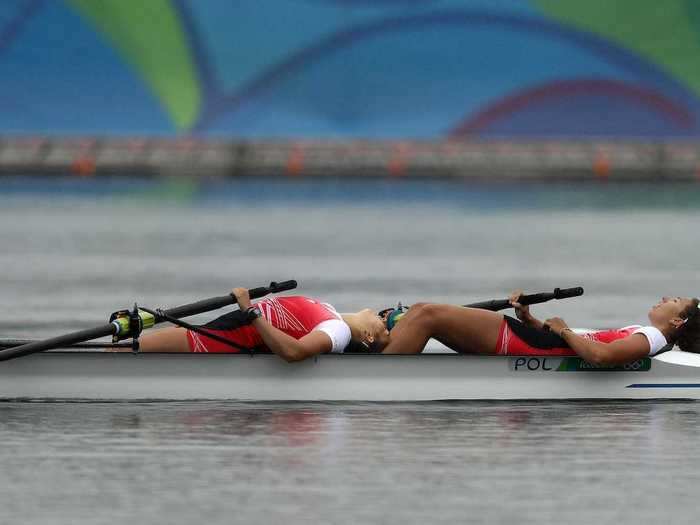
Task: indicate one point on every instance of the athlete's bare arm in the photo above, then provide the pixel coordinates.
(282, 344)
(522, 312)
(287, 347)
(619, 352)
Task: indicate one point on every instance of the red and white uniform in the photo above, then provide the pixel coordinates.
(296, 316)
(512, 343)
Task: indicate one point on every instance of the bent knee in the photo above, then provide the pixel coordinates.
(427, 313)
(415, 307)
(417, 310)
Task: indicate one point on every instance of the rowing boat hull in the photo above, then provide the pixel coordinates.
(121, 376)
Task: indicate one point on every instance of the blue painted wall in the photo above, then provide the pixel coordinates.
(343, 69)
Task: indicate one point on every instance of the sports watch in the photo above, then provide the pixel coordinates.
(252, 313)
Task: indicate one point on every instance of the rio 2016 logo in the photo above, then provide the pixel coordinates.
(572, 364)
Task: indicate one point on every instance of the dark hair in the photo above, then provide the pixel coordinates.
(355, 347)
(688, 336)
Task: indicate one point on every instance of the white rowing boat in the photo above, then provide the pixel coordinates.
(34, 370)
(94, 375)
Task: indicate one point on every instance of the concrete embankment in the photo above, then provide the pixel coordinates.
(493, 159)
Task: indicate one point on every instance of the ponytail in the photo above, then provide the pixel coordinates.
(688, 336)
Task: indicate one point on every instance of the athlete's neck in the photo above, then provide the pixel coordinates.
(354, 321)
(665, 329)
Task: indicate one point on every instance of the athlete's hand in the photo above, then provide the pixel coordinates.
(242, 298)
(556, 325)
(522, 311)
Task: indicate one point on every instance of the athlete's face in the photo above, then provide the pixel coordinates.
(668, 311)
(376, 327)
(381, 336)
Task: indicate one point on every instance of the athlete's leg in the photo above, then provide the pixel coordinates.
(231, 326)
(465, 330)
(171, 339)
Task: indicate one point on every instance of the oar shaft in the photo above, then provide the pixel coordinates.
(205, 305)
(12, 343)
(214, 303)
(502, 304)
(58, 342)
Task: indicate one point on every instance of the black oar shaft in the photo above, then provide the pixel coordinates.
(58, 342)
(12, 343)
(186, 310)
(502, 304)
(214, 303)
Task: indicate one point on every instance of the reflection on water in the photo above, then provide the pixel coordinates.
(455, 193)
(396, 463)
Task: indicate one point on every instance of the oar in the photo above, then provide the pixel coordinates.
(13, 343)
(120, 327)
(394, 315)
(535, 298)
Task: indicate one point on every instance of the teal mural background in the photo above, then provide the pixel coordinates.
(422, 69)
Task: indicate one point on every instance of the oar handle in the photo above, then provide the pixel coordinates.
(535, 298)
(256, 293)
(558, 293)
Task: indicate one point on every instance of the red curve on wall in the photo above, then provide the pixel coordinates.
(566, 88)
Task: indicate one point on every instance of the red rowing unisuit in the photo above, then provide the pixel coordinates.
(295, 315)
(510, 343)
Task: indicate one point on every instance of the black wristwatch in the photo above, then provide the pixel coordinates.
(252, 313)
